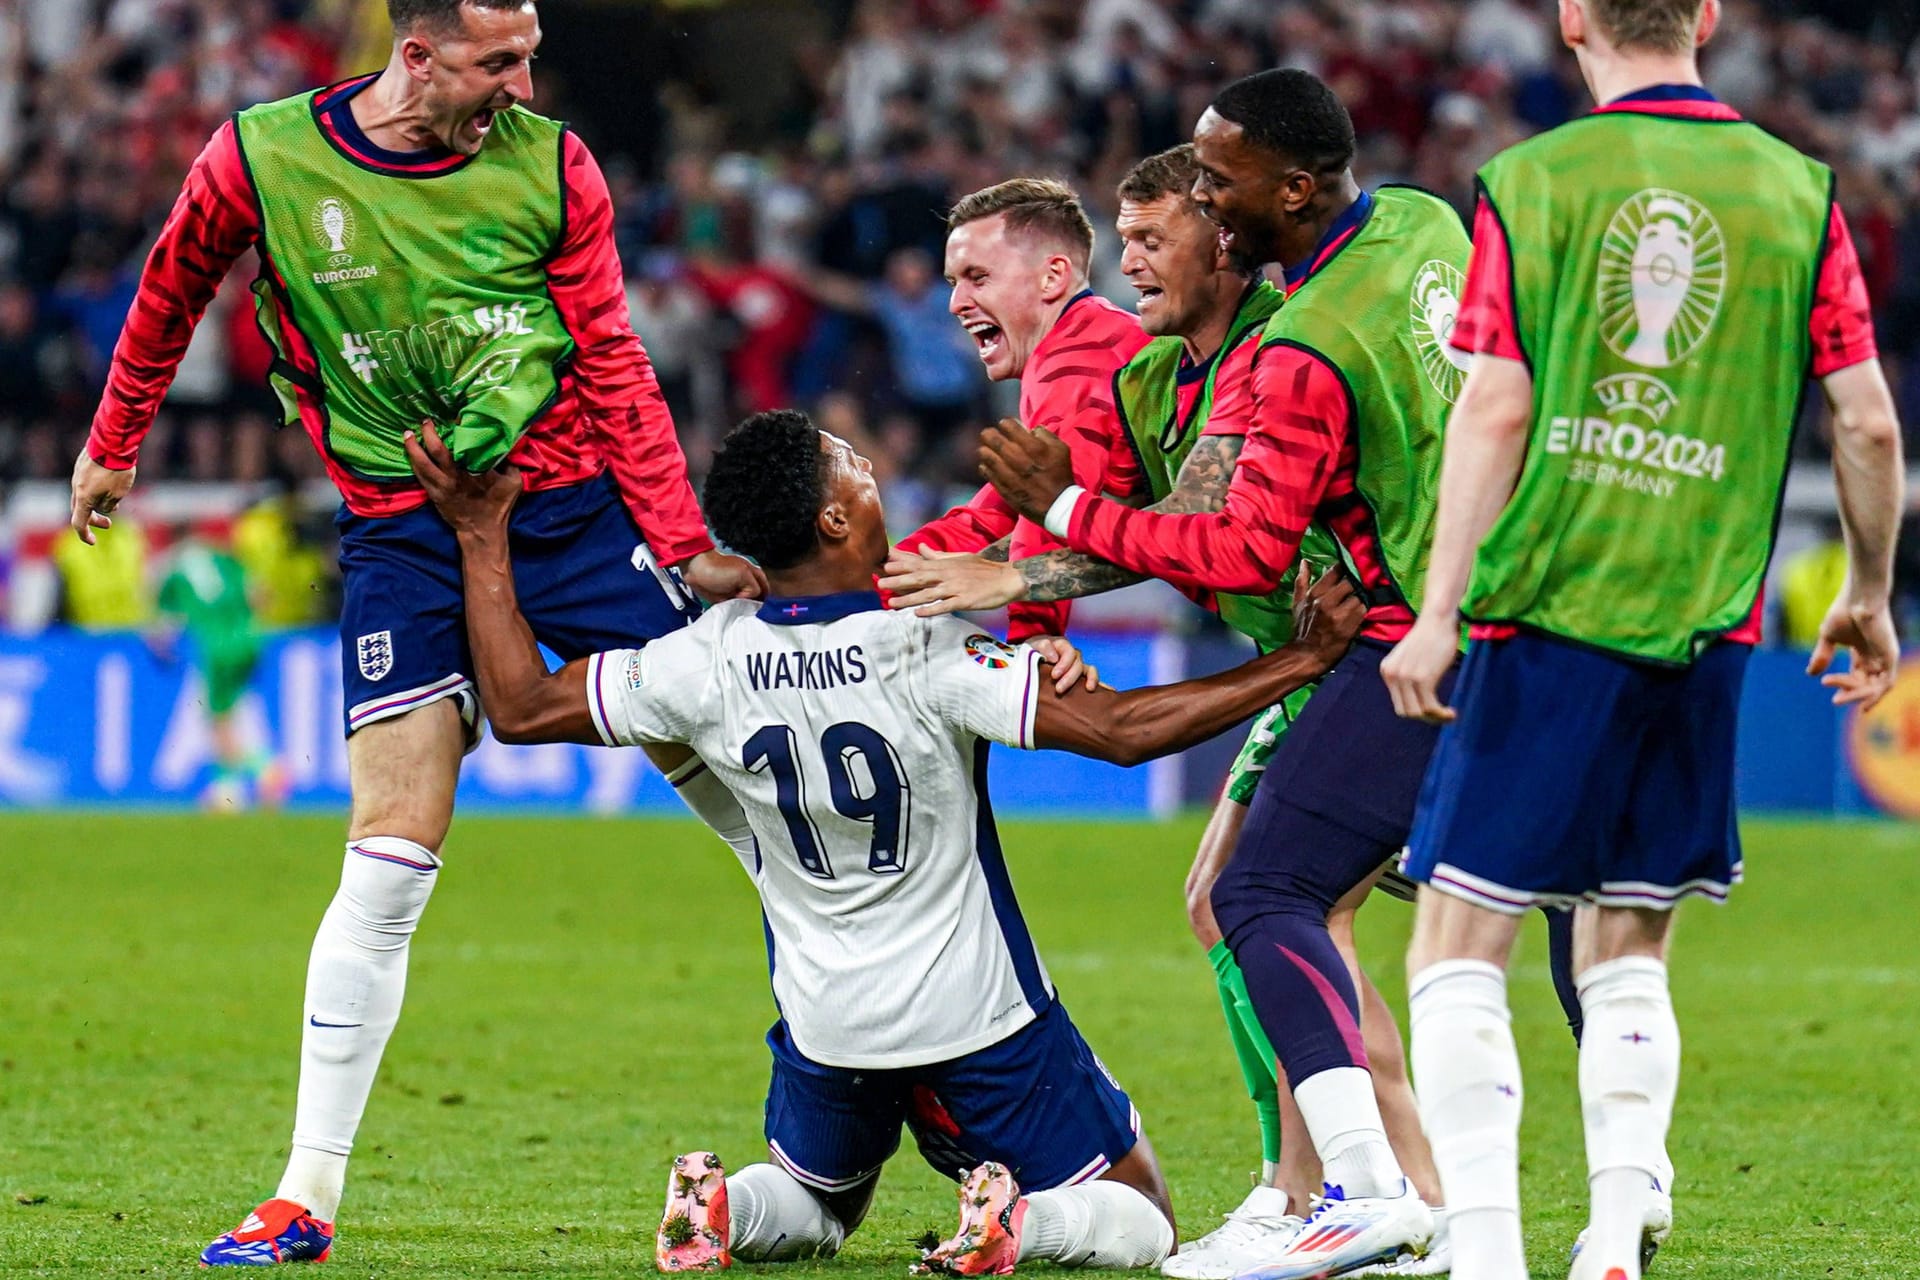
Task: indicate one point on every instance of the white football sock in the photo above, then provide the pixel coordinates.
(314, 1180)
(701, 790)
(1095, 1224)
(1344, 1119)
(1629, 1073)
(775, 1218)
(356, 979)
(1467, 1075)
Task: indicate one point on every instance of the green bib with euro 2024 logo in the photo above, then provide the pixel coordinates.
(1663, 278)
(413, 297)
(1146, 390)
(1380, 312)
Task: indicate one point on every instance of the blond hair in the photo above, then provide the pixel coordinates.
(1039, 207)
(1654, 26)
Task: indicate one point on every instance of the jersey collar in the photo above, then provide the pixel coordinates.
(1350, 220)
(1687, 101)
(1191, 372)
(333, 114)
(794, 611)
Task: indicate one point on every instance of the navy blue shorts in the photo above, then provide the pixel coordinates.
(586, 582)
(1336, 801)
(1573, 775)
(1038, 1102)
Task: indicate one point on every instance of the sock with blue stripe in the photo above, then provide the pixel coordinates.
(356, 980)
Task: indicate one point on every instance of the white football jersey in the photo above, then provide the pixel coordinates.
(856, 740)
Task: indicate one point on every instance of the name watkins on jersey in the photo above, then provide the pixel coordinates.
(831, 669)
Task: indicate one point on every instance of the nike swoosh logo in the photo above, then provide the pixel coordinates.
(313, 1021)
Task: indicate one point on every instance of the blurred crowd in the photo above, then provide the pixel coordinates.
(796, 260)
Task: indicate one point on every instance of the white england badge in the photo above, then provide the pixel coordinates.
(376, 654)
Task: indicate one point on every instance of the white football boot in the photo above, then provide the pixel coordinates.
(1345, 1235)
(1259, 1229)
(1437, 1261)
(1659, 1225)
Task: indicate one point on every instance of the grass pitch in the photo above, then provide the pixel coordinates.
(587, 998)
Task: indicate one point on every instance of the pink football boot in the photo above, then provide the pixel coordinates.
(694, 1226)
(988, 1242)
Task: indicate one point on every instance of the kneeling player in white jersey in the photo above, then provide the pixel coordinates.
(856, 740)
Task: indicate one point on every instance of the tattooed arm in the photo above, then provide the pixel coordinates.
(944, 585)
(1200, 488)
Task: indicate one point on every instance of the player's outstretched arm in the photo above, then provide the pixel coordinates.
(213, 222)
(523, 700)
(940, 582)
(1137, 725)
(1870, 479)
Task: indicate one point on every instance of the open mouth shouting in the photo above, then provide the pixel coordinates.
(987, 337)
(474, 130)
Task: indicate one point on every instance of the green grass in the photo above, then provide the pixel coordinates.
(588, 997)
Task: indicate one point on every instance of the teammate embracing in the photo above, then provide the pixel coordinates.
(1016, 259)
(1351, 385)
(1185, 403)
(856, 737)
(1652, 285)
(429, 250)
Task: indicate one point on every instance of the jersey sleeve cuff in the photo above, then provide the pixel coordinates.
(1030, 702)
(1060, 514)
(597, 698)
(122, 458)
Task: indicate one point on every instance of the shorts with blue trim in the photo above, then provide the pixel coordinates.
(1038, 1102)
(586, 580)
(1573, 775)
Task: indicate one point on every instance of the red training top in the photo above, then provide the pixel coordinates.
(1067, 387)
(608, 413)
(1300, 463)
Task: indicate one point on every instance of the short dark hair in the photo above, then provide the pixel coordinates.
(408, 15)
(1165, 173)
(766, 488)
(1657, 26)
(1293, 114)
(1040, 205)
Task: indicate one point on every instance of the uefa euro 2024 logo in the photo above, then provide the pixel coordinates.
(1437, 287)
(333, 226)
(1663, 267)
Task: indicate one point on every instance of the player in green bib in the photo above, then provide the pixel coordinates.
(1185, 403)
(205, 595)
(1651, 287)
(430, 250)
(1351, 386)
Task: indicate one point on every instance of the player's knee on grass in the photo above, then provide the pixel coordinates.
(403, 773)
(775, 1218)
(1122, 1219)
